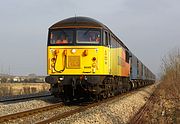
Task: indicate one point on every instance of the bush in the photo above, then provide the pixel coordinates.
(171, 66)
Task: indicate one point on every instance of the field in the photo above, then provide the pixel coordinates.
(9, 89)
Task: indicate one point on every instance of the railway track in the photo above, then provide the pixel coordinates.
(62, 115)
(68, 113)
(23, 97)
(137, 119)
(14, 116)
(83, 108)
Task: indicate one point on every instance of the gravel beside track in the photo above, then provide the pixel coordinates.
(41, 116)
(118, 111)
(25, 105)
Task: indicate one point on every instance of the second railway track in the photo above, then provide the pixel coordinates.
(137, 119)
(23, 97)
(6, 118)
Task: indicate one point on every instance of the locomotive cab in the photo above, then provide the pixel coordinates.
(77, 51)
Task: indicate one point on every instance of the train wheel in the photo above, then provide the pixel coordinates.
(104, 95)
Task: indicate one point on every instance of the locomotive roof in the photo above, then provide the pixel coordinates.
(82, 21)
(78, 21)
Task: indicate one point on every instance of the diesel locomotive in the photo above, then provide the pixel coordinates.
(86, 59)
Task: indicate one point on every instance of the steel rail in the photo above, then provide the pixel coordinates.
(14, 116)
(4, 100)
(137, 118)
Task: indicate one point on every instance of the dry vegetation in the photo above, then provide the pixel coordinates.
(9, 89)
(165, 107)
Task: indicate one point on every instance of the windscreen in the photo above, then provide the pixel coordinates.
(88, 36)
(61, 36)
(80, 36)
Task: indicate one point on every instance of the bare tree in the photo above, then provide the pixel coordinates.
(171, 70)
(171, 66)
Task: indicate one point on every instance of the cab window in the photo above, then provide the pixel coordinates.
(88, 36)
(61, 36)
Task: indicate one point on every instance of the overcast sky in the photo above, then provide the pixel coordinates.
(149, 28)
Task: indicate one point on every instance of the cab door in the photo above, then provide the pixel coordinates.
(107, 54)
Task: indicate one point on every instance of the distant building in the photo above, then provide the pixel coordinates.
(32, 75)
(31, 78)
(16, 79)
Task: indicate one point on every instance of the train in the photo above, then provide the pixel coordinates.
(86, 59)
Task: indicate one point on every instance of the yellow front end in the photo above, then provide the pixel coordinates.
(78, 60)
